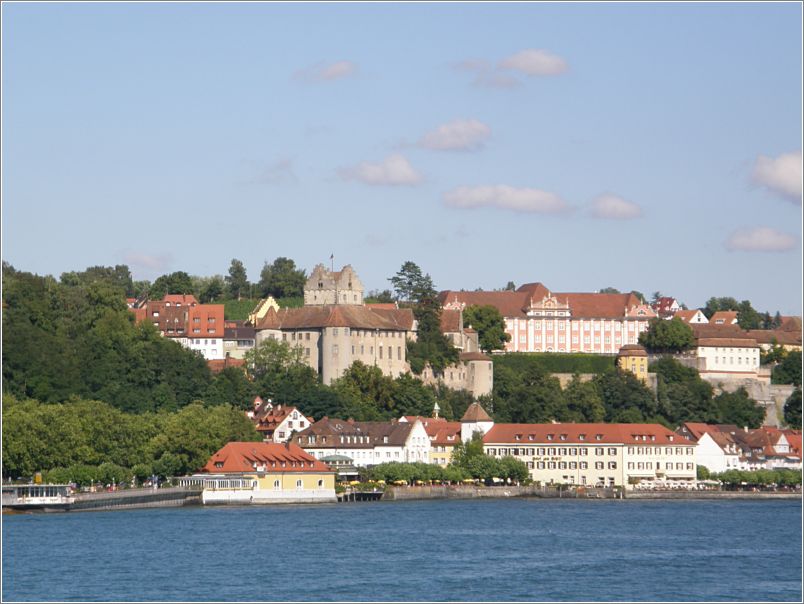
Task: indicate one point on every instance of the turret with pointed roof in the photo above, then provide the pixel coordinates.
(475, 420)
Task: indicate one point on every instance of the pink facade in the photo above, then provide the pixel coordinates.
(540, 321)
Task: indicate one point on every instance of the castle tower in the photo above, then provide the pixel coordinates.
(333, 287)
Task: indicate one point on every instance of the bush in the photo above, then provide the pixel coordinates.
(552, 362)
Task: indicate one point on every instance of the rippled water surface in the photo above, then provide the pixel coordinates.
(491, 550)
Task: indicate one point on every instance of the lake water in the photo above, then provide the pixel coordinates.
(470, 550)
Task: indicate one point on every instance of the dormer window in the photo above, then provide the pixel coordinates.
(582, 437)
(598, 437)
(518, 437)
(563, 437)
(218, 464)
(385, 439)
(549, 437)
(530, 436)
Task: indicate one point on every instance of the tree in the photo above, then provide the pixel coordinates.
(490, 326)
(271, 357)
(714, 305)
(792, 409)
(656, 295)
(667, 336)
(789, 370)
(584, 401)
(464, 452)
(282, 279)
(738, 408)
(509, 287)
(535, 397)
(625, 397)
(177, 282)
(118, 276)
(639, 295)
(237, 279)
(609, 290)
(748, 318)
(431, 346)
(210, 289)
(410, 284)
(385, 296)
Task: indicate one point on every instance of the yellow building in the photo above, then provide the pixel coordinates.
(252, 472)
(634, 358)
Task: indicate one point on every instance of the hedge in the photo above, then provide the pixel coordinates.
(553, 362)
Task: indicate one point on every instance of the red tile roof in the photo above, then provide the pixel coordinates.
(476, 413)
(450, 320)
(637, 434)
(724, 317)
(473, 356)
(334, 315)
(686, 315)
(243, 456)
(632, 350)
(513, 304)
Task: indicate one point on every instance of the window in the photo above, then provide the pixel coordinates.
(599, 451)
(612, 451)
(276, 485)
(598, 465)
(612, 465)
(299, 484)
(584, 465)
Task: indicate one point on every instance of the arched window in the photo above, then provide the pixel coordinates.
(276, 485)
(298, 484)
(320, 484)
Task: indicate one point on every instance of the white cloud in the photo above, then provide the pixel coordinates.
(393, 170)
(458, 135)
(760, 239)
(323, 72)
(535, 62)
(152, 263)
(782, 174)
(496, 79)
(504, 196)
(616, 208)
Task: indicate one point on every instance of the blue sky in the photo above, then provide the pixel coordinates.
(649, 147)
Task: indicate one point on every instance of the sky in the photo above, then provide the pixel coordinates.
(650, 147)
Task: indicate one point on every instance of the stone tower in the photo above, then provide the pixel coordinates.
(333, 287)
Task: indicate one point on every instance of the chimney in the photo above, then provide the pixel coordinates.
(287, 444)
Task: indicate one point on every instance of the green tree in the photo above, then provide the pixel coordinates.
(609, 290)
(584, 401)
(210, 289)
(464, 452)
(490, 326)
(177, 282)
(625, 397)
(385, 296)
(535, 398)
(282, 279)
(792, 409)
(411, 285)
(118, 277)
(748, 318)
(714, 305)
(789, 370)
(667, 336)
(237, 279)
(702, 473)
(739, 409)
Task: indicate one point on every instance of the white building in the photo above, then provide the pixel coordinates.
(366, 443)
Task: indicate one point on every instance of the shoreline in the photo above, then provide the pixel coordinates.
(122, 501)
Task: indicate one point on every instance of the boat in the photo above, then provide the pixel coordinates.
(37, 497)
